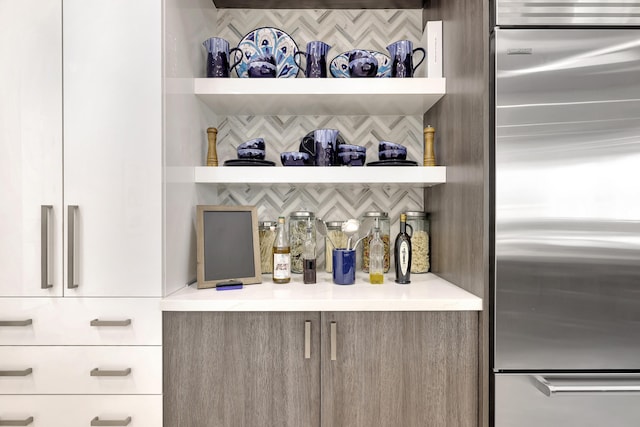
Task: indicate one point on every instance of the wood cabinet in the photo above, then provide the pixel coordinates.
(364, 369)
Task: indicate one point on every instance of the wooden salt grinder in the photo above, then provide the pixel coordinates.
(429, 155)
(212, 154)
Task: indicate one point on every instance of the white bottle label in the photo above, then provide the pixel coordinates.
(281, 266)
(404, 257)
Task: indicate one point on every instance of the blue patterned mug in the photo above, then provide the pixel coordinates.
(218, 57)
(362, 63)
(326, 146)
(316, 59)
(402, 58)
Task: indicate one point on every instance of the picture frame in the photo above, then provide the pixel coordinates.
(227, 245)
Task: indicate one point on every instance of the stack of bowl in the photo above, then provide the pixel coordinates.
(391, 151)
(254, 149)
(351, 155)
(294, 158)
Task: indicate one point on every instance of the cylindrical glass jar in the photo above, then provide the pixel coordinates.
(368, 222)
(419, 231)
(266, 235)
(334, 232)
(297, 234)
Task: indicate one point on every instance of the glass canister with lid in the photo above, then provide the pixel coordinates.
(368, 222)
(266, 235)
(298, 222)
(419, 231)
(334, 235)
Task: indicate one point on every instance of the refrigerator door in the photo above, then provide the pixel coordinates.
(567, 194)
(567, 12)
(576, 401)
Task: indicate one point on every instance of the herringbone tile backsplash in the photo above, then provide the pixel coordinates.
(344, 30)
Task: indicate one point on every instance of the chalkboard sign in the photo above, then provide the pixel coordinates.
(228, 248)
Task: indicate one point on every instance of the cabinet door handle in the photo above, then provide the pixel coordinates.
(334, 355)
(307, 339)
(97, 422)
(97, 372)
(19, 373)
(45, 211)
(16, 322)
(24, 422)
(98, 322)
(71, 246)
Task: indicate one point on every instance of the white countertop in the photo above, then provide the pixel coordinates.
(426, 292)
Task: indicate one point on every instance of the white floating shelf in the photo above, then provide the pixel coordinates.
(414, 176)
(330, 96)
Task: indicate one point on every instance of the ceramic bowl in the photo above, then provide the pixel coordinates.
(256, 144)
(294, 158)
(347, 148)
(352, 158)
(250, 153)
(387, 145)
(392, 154)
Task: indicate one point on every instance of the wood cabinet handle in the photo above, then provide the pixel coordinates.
(334, 352)
(98, 322)
(98, 422)
(212, 154)
(24, 422)
(307, 339)
(45, 211)
(71, 246)
(97, 372)
(19, 373)
(26, 322)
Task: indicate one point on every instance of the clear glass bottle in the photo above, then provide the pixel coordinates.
(419, 228)
(368, 222)
(376, 258)
(309, 257)
(334, 235)
(281, 254)
(297, 232)
(402, 253)
(267, 235)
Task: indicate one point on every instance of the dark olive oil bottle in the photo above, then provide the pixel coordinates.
(402, 253)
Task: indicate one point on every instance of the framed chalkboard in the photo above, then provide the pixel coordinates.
(228, 248)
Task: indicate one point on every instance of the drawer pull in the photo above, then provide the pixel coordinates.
(16, 422)
(98, 322)
(97, 422)
(22, 373)
(334, 351)
(16, 322)
(307, 339)
(97, 372)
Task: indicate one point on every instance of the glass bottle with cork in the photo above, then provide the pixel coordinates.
(369, 219)
(281, 254)
(309, 256)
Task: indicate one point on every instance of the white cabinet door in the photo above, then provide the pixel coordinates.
(30, 147)
(80, 370)
(113, 146)
(79, 411)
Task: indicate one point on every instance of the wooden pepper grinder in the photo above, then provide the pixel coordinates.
(212, 154)
(429, 154)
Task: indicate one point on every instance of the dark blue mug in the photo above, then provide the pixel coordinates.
(218, 55)
(316, 59)
(344, 266)
(402, 58)
(326, 146)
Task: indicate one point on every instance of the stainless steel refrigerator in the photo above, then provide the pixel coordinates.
(566, 215)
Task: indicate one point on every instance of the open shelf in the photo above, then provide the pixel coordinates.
(415, 176)
(330, 96)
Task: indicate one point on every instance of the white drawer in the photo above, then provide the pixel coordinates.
(68, 370)
(79, 411)
(68, 321)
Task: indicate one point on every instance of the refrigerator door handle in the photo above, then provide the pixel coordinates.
(598, 386)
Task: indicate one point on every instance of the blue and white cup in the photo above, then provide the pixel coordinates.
(362, 63)
(262, 66)
(344, 266)
(316, 55)
(402, 58)
(326, 144)
(218, 55)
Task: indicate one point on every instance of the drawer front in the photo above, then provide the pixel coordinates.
(80, 321)
(79, 411)
(81, 370)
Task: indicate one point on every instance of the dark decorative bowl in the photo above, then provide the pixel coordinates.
(387, 145)
(294, 158)
(250, 153)
(352, 158)
(347, 148)
(392, 154)
(256, 144)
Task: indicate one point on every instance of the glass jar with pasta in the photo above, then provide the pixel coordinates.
(418, 224)
(370, 220)
(266, 236)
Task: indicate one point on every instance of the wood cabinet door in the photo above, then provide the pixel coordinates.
(241, 369)
(399, 369)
